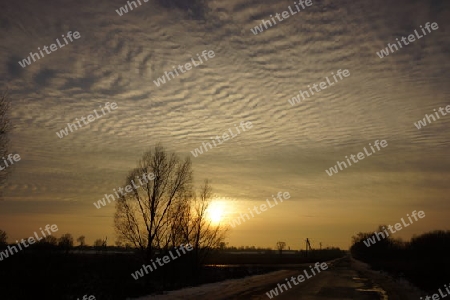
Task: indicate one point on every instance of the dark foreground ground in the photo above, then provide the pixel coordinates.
(68, 276)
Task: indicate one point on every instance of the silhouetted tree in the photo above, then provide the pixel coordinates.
(65, 242)
(48, 243)
(222, 245)
(50, 240)
(416, 260)
(142, 216)
(3, 238)
(384, 246)
(191, 225)
(165, 212)
(81, 240)
(100, 245)
(4, 130)
(281, 246)
(435, 243)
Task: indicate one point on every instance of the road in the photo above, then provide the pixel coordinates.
(345, 279)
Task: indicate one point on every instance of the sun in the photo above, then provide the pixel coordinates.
(215, 212)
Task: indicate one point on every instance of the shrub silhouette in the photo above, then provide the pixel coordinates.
(423, 260)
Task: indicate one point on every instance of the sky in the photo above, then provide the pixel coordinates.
(251, 77)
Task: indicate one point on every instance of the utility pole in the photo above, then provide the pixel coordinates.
(308, 245)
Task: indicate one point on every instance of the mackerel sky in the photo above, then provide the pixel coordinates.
(250, 78)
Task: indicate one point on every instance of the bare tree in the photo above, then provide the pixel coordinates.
(81, 240)
(142, 216)
(3, 238)
(199, 230)
(190, 224)
(281, 246)
(223, 246)
(98, 243)
(166, 212)
(4, 129)
(66, 242)
(49, 240)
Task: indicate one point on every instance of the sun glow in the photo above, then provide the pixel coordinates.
(216, 212)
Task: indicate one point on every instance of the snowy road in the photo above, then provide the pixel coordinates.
(345, 279)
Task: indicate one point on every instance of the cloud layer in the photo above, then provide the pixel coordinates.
(251, 78)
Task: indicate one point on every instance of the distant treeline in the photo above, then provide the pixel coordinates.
(424, 260)
(236, 256)
(64, 241)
